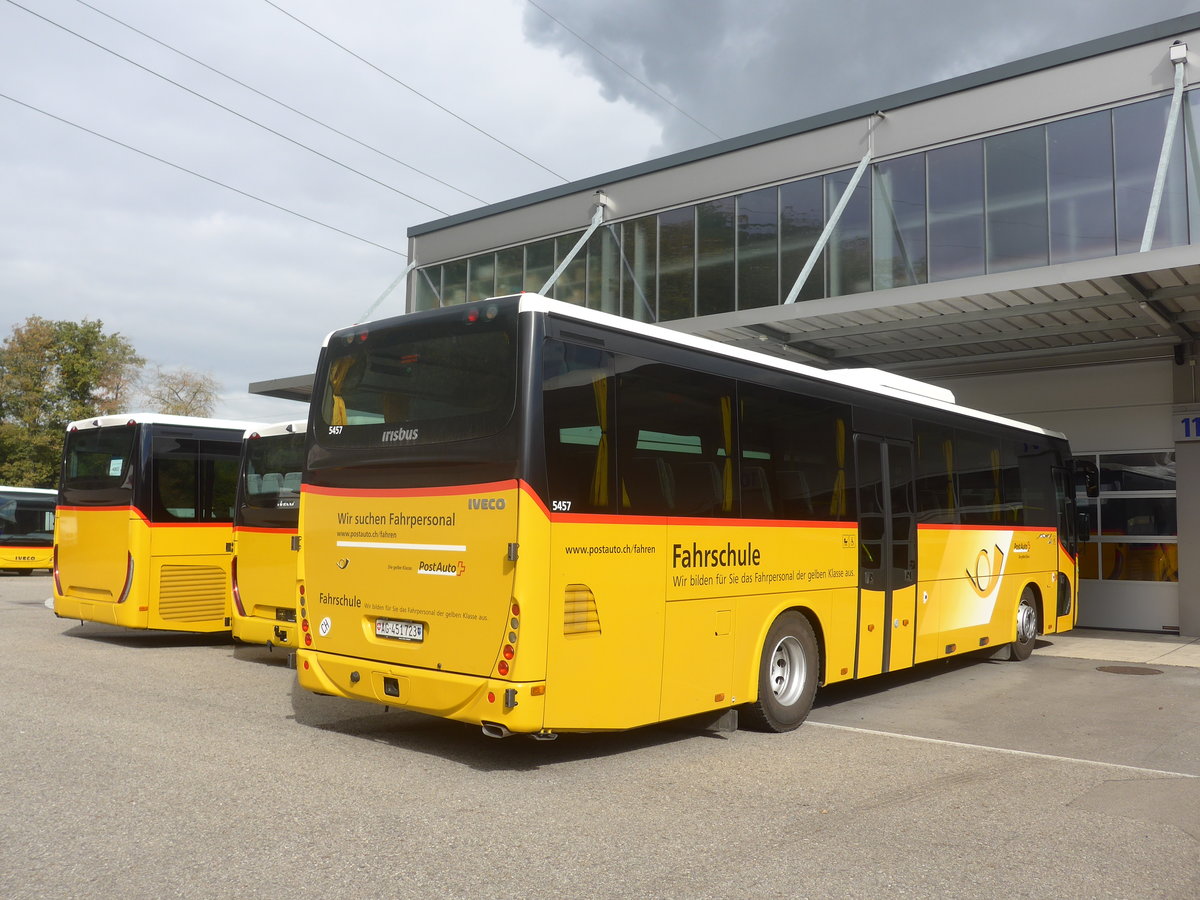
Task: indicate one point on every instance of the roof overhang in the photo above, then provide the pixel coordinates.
(1136, 306)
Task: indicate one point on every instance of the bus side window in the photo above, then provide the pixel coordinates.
(577, 418)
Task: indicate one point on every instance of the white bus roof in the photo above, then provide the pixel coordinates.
(5, 489)
(874, 380)
(299, 426)
(146, 418)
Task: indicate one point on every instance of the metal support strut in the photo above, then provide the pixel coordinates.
(1178, 60)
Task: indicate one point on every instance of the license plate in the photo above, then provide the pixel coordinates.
(399, 630)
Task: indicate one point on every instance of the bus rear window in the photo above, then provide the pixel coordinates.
(97, 459)
(432, 380)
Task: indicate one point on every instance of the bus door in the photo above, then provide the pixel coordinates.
(1068, 539)
(887, 549)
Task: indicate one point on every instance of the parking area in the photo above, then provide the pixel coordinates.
(148, 764)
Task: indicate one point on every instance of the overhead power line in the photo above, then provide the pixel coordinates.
(601, 53)
(279, 102)
(413, 90)
(227, 109)
(222, 184)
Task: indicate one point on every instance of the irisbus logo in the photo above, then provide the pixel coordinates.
(400, 434)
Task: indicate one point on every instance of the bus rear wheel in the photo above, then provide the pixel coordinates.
(787, 676)
(1027, 626)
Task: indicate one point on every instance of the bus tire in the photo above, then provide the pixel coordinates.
(787, 676)
(1027, 626)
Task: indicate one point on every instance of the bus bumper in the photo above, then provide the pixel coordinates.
(257, 630)
(463, 698)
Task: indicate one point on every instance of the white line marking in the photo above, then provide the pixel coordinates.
(433, 548)
(1026, 753)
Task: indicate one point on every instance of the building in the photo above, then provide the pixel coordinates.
(1009, 234)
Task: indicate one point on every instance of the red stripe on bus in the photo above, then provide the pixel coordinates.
(448, 491)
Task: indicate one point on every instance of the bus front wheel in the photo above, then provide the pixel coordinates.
(787, 676)
(1027, 626)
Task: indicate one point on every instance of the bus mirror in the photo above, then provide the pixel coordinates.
(1089, 473)
(1083, 527)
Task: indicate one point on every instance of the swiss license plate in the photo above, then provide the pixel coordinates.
(399, 630)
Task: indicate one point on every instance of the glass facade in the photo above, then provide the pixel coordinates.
(1134, 535)
(1073, 189)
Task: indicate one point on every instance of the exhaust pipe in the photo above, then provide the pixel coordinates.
(495, 730)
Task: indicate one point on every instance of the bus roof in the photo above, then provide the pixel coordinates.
(146, 418)
(875, 381)
(297, 426)
(6, 489)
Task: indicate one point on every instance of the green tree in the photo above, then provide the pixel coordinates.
(52, 373)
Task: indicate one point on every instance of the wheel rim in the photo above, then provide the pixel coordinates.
(1026, 622)
(788, 671)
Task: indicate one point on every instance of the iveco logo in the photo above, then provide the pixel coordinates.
(342, 563)
(485, 503)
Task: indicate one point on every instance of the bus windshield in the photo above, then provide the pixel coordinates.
(96, 465)
(26, 517)
(434, 378)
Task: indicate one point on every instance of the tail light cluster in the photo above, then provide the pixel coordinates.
(510, 648)
(304, 626)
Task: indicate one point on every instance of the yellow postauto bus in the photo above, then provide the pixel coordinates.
(26, 529)
(263, 569)
(537, 518)
(144, 531)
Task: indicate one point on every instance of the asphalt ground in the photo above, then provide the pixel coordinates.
(141, 764)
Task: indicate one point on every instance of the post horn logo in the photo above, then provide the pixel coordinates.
(343, 562)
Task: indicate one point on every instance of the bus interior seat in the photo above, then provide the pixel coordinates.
(291, 482)
(697, 488)
(756, 493)
(648, 483)
(253, 483)
(271, 483)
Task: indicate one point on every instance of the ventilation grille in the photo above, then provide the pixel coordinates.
(191, 593)
(580, 615)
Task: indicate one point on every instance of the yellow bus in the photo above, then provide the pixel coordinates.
(536, 518)
(26, 529)
(144, 530)
(263, 569)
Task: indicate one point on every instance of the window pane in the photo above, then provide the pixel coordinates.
(539, 263)
(1141, 516)
(1139, 562)
(428, 288)
(639, 246)
(675, 442)
(572, 283)
(935, 473)
(794, 456)
(1015, 164)
(1137, 471)
(1082, 214)
(715, 286)
(604, 272)
(1137, 138)
(898, 214)
(481, 276)
(758, 249)
(454, 282)
(577, 388)
(510, 266)
(676, 264)
(849, 247)
(801, 220)
(955, 211)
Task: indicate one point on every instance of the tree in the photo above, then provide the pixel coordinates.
(53, 373)
(181, 392)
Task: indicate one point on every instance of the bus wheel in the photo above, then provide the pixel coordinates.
(1022, 647)
(787, 676)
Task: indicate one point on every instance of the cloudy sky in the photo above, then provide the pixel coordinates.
(223, 182)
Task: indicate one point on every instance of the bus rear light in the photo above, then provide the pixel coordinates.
(301, 589)
(509, 652)
(237, 594)
(538, 690)
(516, 609)
(307, 639)
(128, 579)
(306, 665)
(502, 668)
(304, 624)
(57, 581)
(491, 697)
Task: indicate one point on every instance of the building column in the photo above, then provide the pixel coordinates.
(1187, 494)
